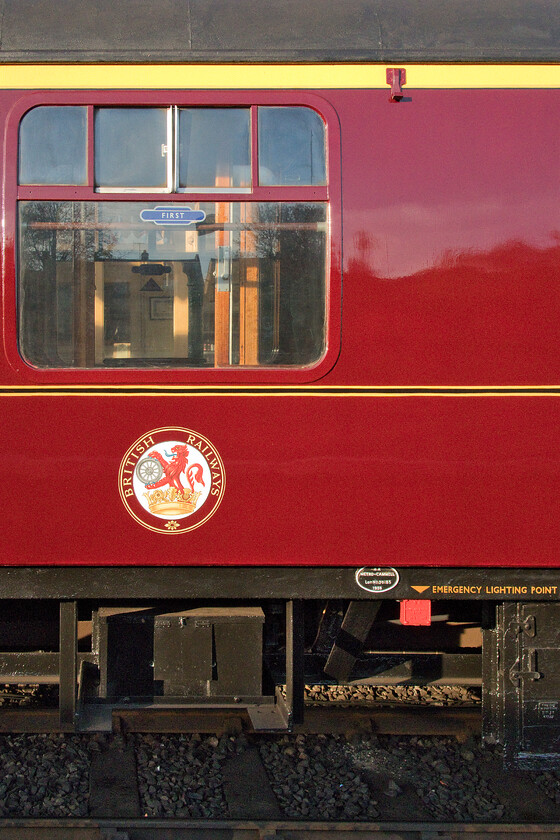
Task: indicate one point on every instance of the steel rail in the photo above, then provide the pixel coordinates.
(61, 829)
(379, 718)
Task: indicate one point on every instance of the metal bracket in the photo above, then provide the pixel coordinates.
(396, 77)
(295, 644)
(516, 674)
(68, 654)
(528, 626)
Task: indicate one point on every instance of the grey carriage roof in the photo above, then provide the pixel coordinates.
(279, 30)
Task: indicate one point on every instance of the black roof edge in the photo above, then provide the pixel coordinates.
(544, 56)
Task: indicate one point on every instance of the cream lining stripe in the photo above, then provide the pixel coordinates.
(274, 76)
(334, 392)
(309, 386)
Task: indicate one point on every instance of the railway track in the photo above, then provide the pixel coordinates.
(232, 830)
(388, 787)
(382, 717)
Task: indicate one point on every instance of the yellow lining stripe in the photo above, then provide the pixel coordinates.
(275, 76)
(247, 386)
(357, 392)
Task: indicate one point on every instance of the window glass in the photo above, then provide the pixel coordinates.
(214, 147)
(212, 284)
(291, 147)
(131, 148)
(52, 146)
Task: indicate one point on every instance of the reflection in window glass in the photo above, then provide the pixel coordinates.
(291, 147)
(214, 147)
(52, 146)
(99, 286)
(131, 147)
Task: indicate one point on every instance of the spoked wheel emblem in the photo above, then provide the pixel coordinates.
(149, 470)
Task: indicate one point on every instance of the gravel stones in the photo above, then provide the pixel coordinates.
(44, 776)
(311, 776)
(435, 695)
(443, 771)
(314, 778)
(181, 775)
(549, 782)
(22, 696)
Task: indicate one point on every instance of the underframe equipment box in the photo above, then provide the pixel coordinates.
(192, 655)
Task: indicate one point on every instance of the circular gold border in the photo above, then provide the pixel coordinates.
(188, 432)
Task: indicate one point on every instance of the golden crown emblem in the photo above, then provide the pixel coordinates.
(172, 502)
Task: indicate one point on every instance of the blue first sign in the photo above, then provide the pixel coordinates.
(173, 215)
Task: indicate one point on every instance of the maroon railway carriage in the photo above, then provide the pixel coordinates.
(280, 343)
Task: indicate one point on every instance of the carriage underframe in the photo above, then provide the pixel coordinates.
(198, 652)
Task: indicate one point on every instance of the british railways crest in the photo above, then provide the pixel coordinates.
(171, 480)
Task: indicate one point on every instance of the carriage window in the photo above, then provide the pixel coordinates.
(212, 284)
(132, 148)
(112, 281)
(214, 148)
(53, 146)
(291, 147)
